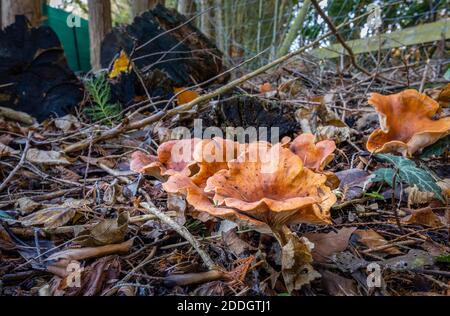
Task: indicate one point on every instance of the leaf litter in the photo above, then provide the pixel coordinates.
(67, 203)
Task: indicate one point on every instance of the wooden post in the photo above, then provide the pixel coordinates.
(140, 6)
(100, 24)
(32, 9)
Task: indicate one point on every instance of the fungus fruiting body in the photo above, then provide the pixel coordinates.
(406, 121)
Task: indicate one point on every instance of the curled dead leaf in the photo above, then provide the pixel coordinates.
(106, 232)
(424, 216)
(296, 259)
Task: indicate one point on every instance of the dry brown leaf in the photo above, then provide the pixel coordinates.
(296, 260)
(56, 215)
(235, 244)
(7, 151)
(354, 182)
(96, 278)
(417, 197)
(372, 239)
(336, 285)
(424, 216)
(106, 232)
(47, 158)
(26, 205)
(326, 244)
(67, 123)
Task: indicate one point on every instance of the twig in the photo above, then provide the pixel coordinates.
(19, 165)
(149, 206)
(394, 207)
(424, 77)
(390, 245)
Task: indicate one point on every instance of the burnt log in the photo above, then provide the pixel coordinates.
(34, 75)
(251, 112)
(161, 39)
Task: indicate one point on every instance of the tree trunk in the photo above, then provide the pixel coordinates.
(220, 27)
(187, 8)
(140, 6)
(100, 23)
(32, 9)
(207, 18)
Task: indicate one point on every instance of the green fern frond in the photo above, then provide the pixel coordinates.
(100, 93)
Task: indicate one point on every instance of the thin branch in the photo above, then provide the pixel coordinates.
(149, 206)
(19, 165)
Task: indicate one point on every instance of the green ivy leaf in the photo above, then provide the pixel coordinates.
(384, 175)
(447, 74)
(409, 173)
(437, 148)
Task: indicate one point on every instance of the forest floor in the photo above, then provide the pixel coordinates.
(66, 210)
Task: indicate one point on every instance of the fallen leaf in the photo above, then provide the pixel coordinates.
(7, 151)
(296, 260)
(417, 197)
(327, 244)
(336, 285)
(96, 278)
(372, 239)
(235, 244)
(67, 123)
(54, 216)
(424, 216)
(185, 96)
(26, 205)
(46, 157)
(336, 133)
(106, 232)
(177, 203)
(354, 182)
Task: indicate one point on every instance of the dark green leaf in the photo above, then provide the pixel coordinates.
(437, 148)
(409, 173)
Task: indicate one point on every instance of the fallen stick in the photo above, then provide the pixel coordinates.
(126, 126)
(194, 278)
(182, 231)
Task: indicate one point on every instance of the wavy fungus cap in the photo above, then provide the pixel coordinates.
(274, 188)
(406, 123)
(173, 157)
(314, 156)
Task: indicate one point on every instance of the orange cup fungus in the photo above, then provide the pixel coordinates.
(407, 124)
